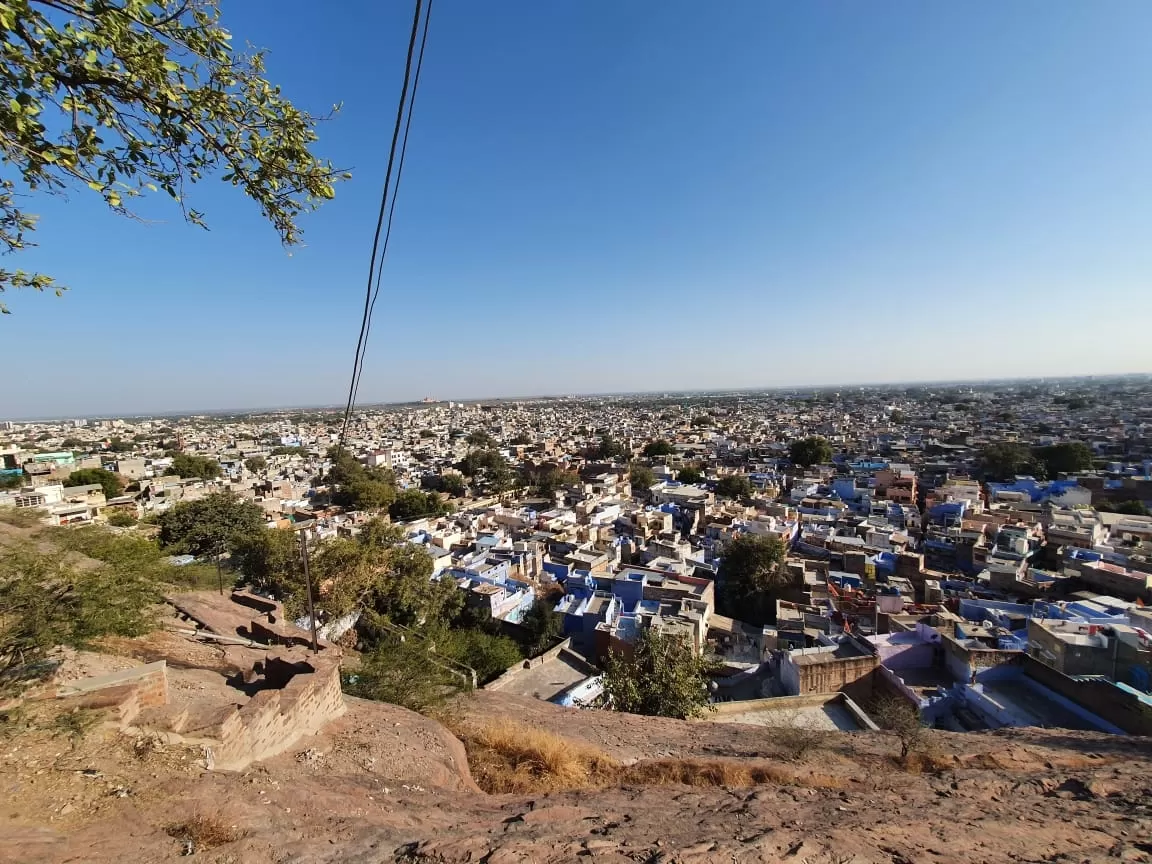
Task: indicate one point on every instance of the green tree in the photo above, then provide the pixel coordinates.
(480, 438)
(379, 575)
(487, 467)
(12, 481)
(188, 466)
(414, 504)
(1066, 458)
(140, 96)
(522, 439)
(490, 655)
(810, 451)
(662, 677)
(109, 482)
(370, 496)
(121, 519)
(659, 447)
(116, 444)
(255, 464)
(358, 487)
(453, 484)
(689, 474)
(1005, 459)
(641, 478)
(544, 628)
(269, 558)
(1132, 508)
(734, 486)
(405, 673)
(209, 525)
(703, 420)
(344, 468)
(607, 449)
(546, 479)
(48, 601)
(750, 577)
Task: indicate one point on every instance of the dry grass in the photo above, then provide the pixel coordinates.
(204, 831)
(723, 772)
(505, 757)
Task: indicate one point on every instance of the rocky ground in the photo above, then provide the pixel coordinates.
(382, 784)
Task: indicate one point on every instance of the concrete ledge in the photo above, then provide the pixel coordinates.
(509, 675)
(791, 703)
(135, 675)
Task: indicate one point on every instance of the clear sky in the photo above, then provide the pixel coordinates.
(652, 194)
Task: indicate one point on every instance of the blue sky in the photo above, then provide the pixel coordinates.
(669, 194)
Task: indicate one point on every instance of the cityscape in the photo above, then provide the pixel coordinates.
(687, 433)
(977, 549)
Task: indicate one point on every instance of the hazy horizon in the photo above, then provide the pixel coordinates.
(361, 405)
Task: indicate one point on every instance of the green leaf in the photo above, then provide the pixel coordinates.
(178, 102)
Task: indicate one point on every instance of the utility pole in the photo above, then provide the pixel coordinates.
(219, 570)
(308, 586)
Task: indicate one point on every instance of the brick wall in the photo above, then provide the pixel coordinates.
(126, 691)
(275, 718)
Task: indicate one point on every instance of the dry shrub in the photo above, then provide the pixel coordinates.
(900, 718)
(797, 736)
(205, 831)
(507, 757)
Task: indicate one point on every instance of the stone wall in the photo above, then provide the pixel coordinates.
(836, 674)
(1120, 707)
(298, 700)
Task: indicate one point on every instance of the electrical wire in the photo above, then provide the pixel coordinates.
(395, 195)
(365, 322)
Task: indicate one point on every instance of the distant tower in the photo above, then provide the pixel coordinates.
(180, 442)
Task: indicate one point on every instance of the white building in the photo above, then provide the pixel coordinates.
(396, 460)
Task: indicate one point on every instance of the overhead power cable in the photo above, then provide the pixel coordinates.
(395, 195)
(407, 97)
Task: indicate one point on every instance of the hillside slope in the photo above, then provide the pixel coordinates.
(383, 784)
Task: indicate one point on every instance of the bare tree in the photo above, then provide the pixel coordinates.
(900, 718)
